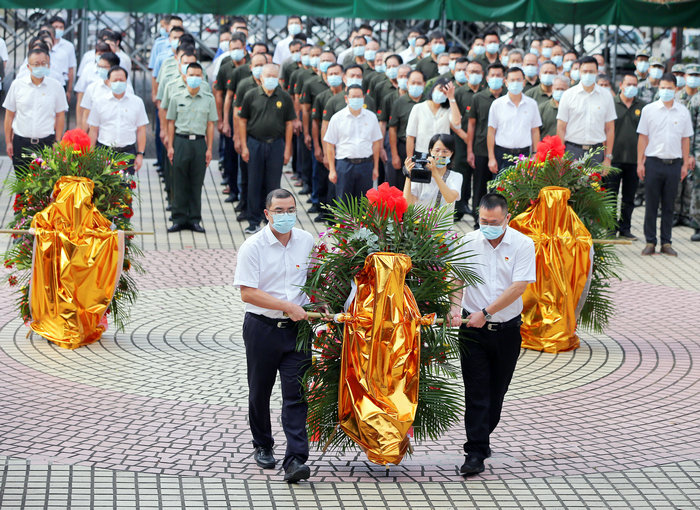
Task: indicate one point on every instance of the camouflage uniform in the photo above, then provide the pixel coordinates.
(694, 108)
(646, 90)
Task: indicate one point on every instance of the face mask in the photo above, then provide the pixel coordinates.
(419, 50)
(403, 83)
(335, 80)
(556, 94)
(323, 66)
(294, 28)
(174, 43)
(491, 232)
(118, 87)
(495, 82)
(368, 38)
(415, 90)
(306, 60)
(370, 54)
(438, 97)
(557, 60)
(163, 32)
(547, 79)
(102, 73)
(438, 48)
(40, 71)
(666, 95)
(515, 87)
(575, 74)
(642, 67)
(284, 222)
(296, 57)
(183, 69)
(271, 82)
(358, 51)
(530, 71)
(392, 72)
(59, 33)
(194, 82)
(452, 65)
(504, 61)
(567, 65)
(411, 41)
(535, 52)
(314, 61)
(630, 91)
(601, 69)
(656, 73)
(693, 81)
(356, 103)
(442, 162)
(492, 48)
(475, 79)
(443, 69)
(237, 55)
(587, 79)
(546, 52)
(223, 45)
(479, 50)
(380, 68)
(354, 81)
(461, 77)
(680, 81)
(257, 72)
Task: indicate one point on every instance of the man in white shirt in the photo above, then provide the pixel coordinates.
(270, 270)
(35, 109)
(352, 142)
(65, 47)
(663, 160)
(120, 120)
(504, 260)
(410, 53)
(4, 57)
(88, 86)
(282, 53)
(514, 123)
(586, 116)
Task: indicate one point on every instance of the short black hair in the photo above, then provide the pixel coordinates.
(239, 19)
(355, 66)
(425, 38)
(353, 87)
(301, 36)
(514, 70)
(461, 60)
(267, 50)
(496, 65)
(54, 19)
(457, 49)
(238, 36)
(195, 65)
(422, 75)
(186, 49)
(175, 18)
(102, 47)
(278, 193)
(436, 34)
(669, 77)
(335, 64)
(366, 26)
(111, 58)
(491, 32)
(394, 55)
(188, 52)
(587, 59)
(104, 33)
(294, 42)
(174, 30)
(114, 69)
(491, 201)
(294, 16)
(187, 39)
(38, 51)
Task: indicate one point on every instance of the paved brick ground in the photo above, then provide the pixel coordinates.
(156, 416)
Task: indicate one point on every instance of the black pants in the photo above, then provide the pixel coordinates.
(354, 179)
(20, 145)
(270, 350)
(501, 152)
(661, 185)
(629, 180)
(577, 152)
(488, 362)
(230, 165)
(467, 172)
(482, 175)
(264, 174)
(129, 149)
(304, 164)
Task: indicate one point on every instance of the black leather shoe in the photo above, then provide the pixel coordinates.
(231, 199)
(314, 209)
(296, 471)
(309, 200)
(197, 227)
(305, 190)
(169, 208)
(177, 227)
(239, 207)
(472, 465)
(242, 217)
(320, 218)
(696, 236)
(264, 457)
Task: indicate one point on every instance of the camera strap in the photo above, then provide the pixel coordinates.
(438, 200)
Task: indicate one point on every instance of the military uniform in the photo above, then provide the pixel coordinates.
(539, 95)
(429, 84)
(398, 118)
(464, 96)
(326, 189)
(646, 91)
(694, 107)
(528, 86)
(480, 112)
(243, 87)
(428, 66)
(305, 159)
(192, 115)
(168, 73)
(548, 114)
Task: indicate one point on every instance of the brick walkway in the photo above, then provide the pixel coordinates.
(156, 416)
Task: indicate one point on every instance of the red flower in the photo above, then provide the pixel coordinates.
(78, 139)
(596, 177)
(12, 280)
(132, 184)
(550, 147)
(388, 198)
(128, 212)
(500, 188)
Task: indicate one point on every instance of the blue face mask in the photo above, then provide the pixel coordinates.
(437, 48)
(438, 97)
(102, 73)
(642, 66)
(558, 60)
(546, 52)
(356, 103)
(666, 94)
(567, 65)
(479, 50)
(515, 87)
(294, 28)
(163, 32)
(40, 71)
(587, 79)
(415, 90)
(402, 82)
(118, 87)
(693, 81)
(237, 55)
(530, 71)
(358, 51)
(256, 72)
(680, 81)
(461, 77)
(284, 222)
(335, 80)
(492, 232)
(452, 65)
(392, 72)
(443, 70)
(475, 79)
(323, 66)
(504, 61)
(174, 43)
(630, 91)
(270, 82)
(59, 33)
(535, 52)
(495, 82)
(354, 81)
(370, 54)
(547, 79)
(194, 82)
(575, 74)
(411, 41)
(556, 94)
(656, 73)
(380, 68)
(296, 57)
(492, 48)
(305, 60)
(314, 61)
(183, 69)
(368, 38)
(442, 162)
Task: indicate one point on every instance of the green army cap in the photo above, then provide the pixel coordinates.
(692, 69)
(678, 68)
(642, 53)
(656, 61)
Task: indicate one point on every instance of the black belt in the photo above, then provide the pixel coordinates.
(674, 161)
(35, 141)
(586, 147)
(265, 140)
(189, 136)
(357, 161)
(515, 322)
(278, 323)
(131, 149)
(514, 152)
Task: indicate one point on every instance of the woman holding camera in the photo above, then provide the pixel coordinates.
(444, 186)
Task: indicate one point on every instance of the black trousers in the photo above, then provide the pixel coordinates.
(488, 361)
(661, 185)
(501, 152)
(230, 164)
(264, 174)
(129, 149)
(270, 350)
(629, 180)
(467, 172)
(20, 145)
(482, 175)
(354, 179)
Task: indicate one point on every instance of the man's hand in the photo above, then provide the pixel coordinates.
(296, 312)
(226, 129)
(470, 159)
(396, 161)
(382, 155)
(237, 144)
(287, 155)
(455, 317)
(684, 171)
(171, 153)
(207, 157)
(307, 141)
(641, 171)
(476, 320)
(375, 173)
(333, 176)
(607, 163)
(296, 125)
(9, 149)
(245, 154)
(220, 126)
(318, 153)
(68, 95)
(138, 162)
(691, 164)
(493, 166)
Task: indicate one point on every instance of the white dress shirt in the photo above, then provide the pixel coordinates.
(97, 90)
(514, 124)
(118, 119)
(88, 59)
(4, 56)
(353, 136)
(427, 193)
(423, 124)
(282, 52)
(266, 264)
(68, 49)
(586, 113)
(665, 127)
(513, 260)
(57, 67)
(35, 106)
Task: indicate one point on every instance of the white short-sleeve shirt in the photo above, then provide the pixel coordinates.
(513, 260)
(423, 124)
(353, 135)
(266, 264)
(97, 90)
(35, 106)
(586, 113)
(514, 124)
(665, 127)
(427, 193)
(118, 119)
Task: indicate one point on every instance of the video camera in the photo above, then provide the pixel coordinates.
(419, 173)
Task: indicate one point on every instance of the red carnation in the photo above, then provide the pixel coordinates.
(128, 212)
(78, 139)
(550, 147)
(388, 198)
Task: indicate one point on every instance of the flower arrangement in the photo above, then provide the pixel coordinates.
(113, 196)
(551, 166)
(384, 222)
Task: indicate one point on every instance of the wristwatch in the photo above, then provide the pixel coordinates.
(487, 315)
(139, 153)
(608, 156)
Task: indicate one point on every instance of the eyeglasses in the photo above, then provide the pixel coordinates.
(441, 152)
(291, 210)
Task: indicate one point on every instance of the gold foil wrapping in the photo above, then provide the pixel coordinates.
(76, 266)
(378, 392)
(564, 255)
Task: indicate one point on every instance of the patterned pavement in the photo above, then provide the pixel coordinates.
(155, 417)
